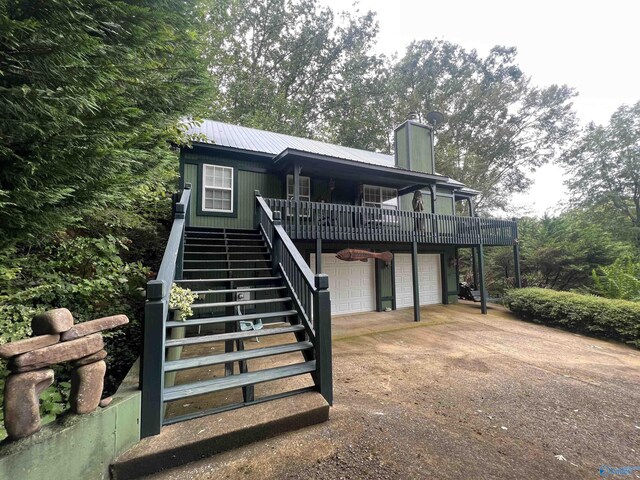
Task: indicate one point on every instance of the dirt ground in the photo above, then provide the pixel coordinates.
(459, 395)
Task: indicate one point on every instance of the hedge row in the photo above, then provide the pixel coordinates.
(588, 314)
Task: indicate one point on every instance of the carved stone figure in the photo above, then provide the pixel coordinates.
(57, 340)
(417, 202)
(21, 401)
(418, 206)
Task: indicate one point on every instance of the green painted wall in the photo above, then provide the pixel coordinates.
(385, 281)
(77, 446)
(450, 269)
(413, 147)
(444, 205)
(405, 201)
(248, 181)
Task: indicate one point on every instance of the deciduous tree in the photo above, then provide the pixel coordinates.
(500, 126)
(288, 66)
(605, 167)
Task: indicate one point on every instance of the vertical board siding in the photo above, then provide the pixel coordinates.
(444, 205)
(407, 205)
(386, 285)
(449, 254)
(268, 184)
(421, 149)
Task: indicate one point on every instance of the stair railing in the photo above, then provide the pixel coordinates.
(155, 317)
(309, 291)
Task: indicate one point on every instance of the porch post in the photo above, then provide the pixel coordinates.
(296, 196)
(322, 324)
(457, 260)
(483, 290)
(432, 189)
(434, 218)
(471, 209)
(416, 287)
(474, 267)
(444, 280)
(152, 365)
(318, 255)
(516, 255)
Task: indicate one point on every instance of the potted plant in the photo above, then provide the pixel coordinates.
(180, 301)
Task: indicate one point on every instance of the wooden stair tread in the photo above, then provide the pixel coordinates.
(229, 318)
(220, 337)
(218, 280)
(229, 231)
(223, 269)
(241, 302)
(238, 290)
(238, 236)
(226, 247)
(228, 253)
(254, 260)
(243, 379)
(236, 356)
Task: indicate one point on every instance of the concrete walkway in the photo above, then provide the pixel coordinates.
(459, 395)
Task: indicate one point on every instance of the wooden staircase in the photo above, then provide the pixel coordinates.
(236, 280)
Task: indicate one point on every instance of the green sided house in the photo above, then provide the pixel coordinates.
(257, 227)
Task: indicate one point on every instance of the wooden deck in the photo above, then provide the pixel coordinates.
(329, 221)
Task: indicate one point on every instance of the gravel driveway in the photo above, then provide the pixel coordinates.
(459, 395)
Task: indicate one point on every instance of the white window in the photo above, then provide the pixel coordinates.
(217, 188)
(380, 197)
(304, 187)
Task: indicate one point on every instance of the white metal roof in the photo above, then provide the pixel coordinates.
(235, 136)
(262, 141)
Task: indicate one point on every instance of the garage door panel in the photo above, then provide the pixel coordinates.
(352, 284)
(428, 279)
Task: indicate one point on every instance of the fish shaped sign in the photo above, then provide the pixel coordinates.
(355, 255)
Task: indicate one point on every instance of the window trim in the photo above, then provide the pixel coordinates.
(305, 213)
(227, 189)
(301, 177)
(200, 190)
(380, 204)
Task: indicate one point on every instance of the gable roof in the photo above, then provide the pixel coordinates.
(252, 139)
(212, 132)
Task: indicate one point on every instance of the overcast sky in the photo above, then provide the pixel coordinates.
(591, 46)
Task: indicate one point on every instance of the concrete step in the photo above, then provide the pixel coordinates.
(192, 440)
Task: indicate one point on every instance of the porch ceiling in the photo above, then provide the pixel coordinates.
(326, 166)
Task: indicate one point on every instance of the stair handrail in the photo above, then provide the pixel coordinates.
(155, 317)
(309, 291)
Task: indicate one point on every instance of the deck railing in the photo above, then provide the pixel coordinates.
(329, 221)
(309, 291)
(155, 318)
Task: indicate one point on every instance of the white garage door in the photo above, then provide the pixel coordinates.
(352, 284)
(429, 281)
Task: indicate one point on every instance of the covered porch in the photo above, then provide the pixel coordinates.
(328, 227)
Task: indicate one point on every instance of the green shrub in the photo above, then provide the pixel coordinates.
(591, 315)
(87, 276)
